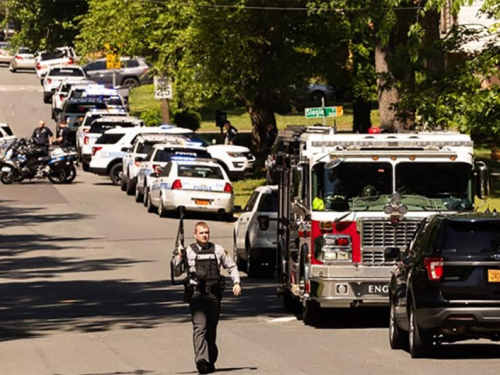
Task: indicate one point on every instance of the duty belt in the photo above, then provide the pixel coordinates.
(207, 289)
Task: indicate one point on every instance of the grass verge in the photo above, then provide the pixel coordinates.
(244, 188)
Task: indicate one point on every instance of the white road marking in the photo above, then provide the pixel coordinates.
(11, 109)
(13, 88)
(284, 319)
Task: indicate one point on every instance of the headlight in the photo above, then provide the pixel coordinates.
(333, 248)
(236, 154)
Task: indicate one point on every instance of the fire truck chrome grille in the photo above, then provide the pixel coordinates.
(378, 235)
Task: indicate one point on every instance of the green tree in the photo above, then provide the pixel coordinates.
(239, 53)
(45, 24)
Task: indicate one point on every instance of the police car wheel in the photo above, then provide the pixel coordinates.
(130, 188)
(145, 197)
(138, 196)
(162, 212)
(115, 174)
(150, 207)
(236, 258)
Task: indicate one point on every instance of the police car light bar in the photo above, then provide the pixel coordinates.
(392, 144)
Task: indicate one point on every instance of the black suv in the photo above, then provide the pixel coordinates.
(446, 286)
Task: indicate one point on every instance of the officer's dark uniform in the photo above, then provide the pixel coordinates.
(66, 135)
(41, 136)
(231, 135)
(204, 296)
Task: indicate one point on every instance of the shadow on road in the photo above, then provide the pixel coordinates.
(45, 287)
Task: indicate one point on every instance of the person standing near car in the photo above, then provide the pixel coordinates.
(64, 135)
(231, 133)
(272, 134)
(204, 292)
(43, 137)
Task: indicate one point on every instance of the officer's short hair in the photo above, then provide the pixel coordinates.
(201, 224)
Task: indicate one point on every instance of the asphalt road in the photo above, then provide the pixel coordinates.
(85, 290)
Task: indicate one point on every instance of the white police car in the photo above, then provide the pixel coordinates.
(90, 117)
(156, 159)
(113, 145)
(100, 126)
(238, 161)
(140, 149)
(196, 184)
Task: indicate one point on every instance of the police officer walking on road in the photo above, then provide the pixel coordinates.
(43, 137)
(204, 292)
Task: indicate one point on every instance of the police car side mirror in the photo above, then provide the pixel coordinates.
(139, 159)
(127, 149)
(237, 209)
(154, 175)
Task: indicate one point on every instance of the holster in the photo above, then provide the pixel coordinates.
(188, 292)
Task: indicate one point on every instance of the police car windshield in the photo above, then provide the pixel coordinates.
(196, 139)
(200, 171)
(352, 186)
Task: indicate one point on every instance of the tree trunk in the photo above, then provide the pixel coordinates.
(261, 116)
(433, 59)
(361, 110)
(387, 95)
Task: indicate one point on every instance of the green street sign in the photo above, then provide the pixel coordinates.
(324, 112)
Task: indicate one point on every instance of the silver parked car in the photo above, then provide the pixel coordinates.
(134, 72)
(23, 59)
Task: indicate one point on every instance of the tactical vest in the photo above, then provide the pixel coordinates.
(207, 268)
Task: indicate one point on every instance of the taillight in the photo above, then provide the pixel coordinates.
(137, 163)
(177, 185)
(435, 268)
(19, 57)
(157, 168)
(95, 149)
(49, 81)
(38, 66)
(61, 97)
(86, 141)
(228, 188)
(70, 61)
(263, 222)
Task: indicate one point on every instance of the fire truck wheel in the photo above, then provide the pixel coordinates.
(311, 313)
(290, 304)
(397, 338)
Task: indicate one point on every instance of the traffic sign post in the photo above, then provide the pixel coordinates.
(163, 88)
(164, 92)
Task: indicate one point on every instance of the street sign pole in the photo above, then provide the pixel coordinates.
(165, 111)
(324, 111)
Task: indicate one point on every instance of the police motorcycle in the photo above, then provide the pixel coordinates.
(24, 159)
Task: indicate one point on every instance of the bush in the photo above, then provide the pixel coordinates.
(186, 118)
(152, 117)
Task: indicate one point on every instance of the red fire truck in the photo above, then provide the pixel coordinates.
(345, 199)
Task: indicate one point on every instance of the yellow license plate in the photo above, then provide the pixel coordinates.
(202, 202)
(494, 276)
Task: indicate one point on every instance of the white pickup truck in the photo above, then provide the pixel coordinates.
(61, 56)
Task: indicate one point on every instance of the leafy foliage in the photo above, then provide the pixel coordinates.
(45, 23)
